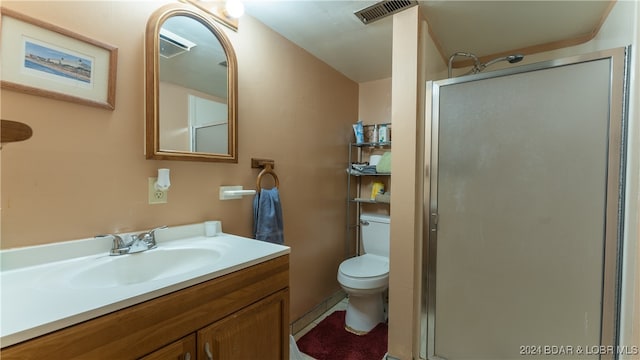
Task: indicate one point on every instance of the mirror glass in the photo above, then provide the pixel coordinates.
(191, 88)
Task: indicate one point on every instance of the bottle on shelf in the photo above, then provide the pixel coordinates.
(382, 133)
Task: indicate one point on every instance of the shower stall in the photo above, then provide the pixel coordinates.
(523, 211)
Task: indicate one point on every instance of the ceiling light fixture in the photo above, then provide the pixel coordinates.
(218, 11)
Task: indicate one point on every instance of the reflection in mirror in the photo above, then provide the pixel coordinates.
(191, 88)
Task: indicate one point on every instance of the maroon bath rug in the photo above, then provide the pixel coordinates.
(330, 341)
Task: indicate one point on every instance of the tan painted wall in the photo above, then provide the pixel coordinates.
(406, 204)
(84, 173)
(411, 40)
(374, 101)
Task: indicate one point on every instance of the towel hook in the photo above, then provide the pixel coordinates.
(267, 169)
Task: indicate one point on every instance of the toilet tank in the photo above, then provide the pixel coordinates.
(375, 233)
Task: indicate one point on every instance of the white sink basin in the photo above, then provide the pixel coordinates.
(141, 267)
(49, 287)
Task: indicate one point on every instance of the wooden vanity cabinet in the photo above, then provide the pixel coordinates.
(248, 334)
(183, 349)
(242, 315)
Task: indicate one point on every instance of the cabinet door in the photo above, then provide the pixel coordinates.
(183, 349)
(259, 331)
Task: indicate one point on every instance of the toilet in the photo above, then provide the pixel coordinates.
(366, 277)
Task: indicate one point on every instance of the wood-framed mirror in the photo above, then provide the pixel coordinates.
(191, 87)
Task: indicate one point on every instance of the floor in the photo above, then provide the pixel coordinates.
(342, 305)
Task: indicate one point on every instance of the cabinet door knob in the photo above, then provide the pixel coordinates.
(207, 350)
(187, 356)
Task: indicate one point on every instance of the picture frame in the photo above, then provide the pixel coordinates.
(43, 59)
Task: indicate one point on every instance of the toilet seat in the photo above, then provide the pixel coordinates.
(367, 271)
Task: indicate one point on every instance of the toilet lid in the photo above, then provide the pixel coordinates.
(365, 266)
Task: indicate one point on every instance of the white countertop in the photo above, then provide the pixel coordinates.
(37, 296)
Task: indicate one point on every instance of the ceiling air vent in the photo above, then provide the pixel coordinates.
(383, 9)
(173, 45)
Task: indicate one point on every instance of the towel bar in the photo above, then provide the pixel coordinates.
(267, 166)
(234, 192)
(268, 170)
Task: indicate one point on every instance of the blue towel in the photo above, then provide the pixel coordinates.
(267, 216)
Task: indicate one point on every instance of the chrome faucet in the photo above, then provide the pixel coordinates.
(131, 244)
(145, 241)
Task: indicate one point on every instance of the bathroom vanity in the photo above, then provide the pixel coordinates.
(238, 311)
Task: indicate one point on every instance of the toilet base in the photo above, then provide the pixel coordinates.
(364, 313)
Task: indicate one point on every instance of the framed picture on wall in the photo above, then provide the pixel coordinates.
(43, 59)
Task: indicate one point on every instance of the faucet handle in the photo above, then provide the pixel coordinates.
(150, 236)
(118, 247)
(153, 231)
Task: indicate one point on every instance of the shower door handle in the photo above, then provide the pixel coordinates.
(433, 223)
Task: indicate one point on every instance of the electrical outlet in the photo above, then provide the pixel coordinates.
(156, 196)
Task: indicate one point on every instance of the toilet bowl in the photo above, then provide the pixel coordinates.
(366, 277)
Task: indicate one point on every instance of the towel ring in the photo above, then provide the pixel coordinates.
(268, 170)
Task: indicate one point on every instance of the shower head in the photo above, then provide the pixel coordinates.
(478, 66)
(511, 59)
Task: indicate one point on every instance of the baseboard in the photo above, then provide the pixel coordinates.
(318, 310)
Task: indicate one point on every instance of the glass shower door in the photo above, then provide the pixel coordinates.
(524, 213)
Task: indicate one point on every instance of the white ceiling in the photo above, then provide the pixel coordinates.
(329, 30)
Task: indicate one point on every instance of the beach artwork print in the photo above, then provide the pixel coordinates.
(53, 62)
(45, 60)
